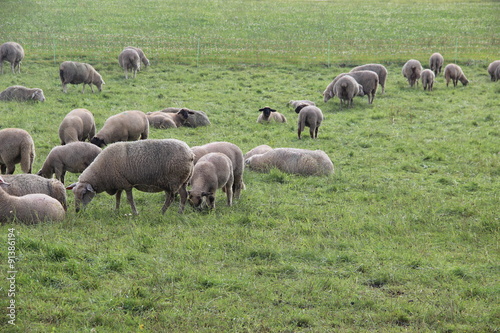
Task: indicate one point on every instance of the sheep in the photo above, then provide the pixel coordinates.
(310, 116)
(412, 70)
(492, 70)
(141, 54)
(180, 118)
(125, 126)
(428, 77)
(368, 80)
(129, 60)
(77, 72)
(268, 115)
(23, 184)
(257, 150)
(13, 53)
(77, 125)
(74, 157)
(436, 62)
(22, 94)
(16, 146)
(235, 155)
(377, 68)
(346, 88)
(153, 165)
(158, 119)
(329, 92)
(295, 103)
(212, 171)
(196, 119)
(29, 208)
(454, 72)
(292, 160)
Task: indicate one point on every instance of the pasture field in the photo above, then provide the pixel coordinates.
(402, 238)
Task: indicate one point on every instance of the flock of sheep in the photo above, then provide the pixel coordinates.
(120, 157)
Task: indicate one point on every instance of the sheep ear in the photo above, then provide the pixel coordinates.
(70, 187)
(89, 188)
(33, 95)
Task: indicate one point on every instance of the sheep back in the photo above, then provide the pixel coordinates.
(454, 73)
(492, 70)
(22, 94)
(141, 54)
(412, 70)
(77, 125)
(129, 60)
(295, 103)
(13, 53)
(257, 150)
(125, 126)
(377, 68)
(77, 72)
(346, 88)
(428, 77)
(161, 120)
(16, 146)
(310, 116)
(369, 80)
(198, 118)
(436, 62)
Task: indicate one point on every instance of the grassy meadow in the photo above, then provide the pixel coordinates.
(402, 238)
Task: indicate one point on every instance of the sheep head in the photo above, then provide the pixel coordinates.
(266, 111)
(84, 193)
(201, 199)
(98, 142)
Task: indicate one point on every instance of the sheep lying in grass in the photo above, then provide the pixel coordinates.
(310, 116)
(212, 171)
(180, 118)
(412, 70)
(22, 94)
(77, 125)
(29, 208)
(436, 62)
(196, 118)
(291, 160)
(268, 115)
(161, 120)
(295, 103)
(492, 70)
(74, 157)
(257, 150)
(147, 165)
(125, 126)
(129, 60)
(428, 77)
(77, 72)
(346, 88)
(377, 68)
(13, 53)
(454, 72)
(16, 146)
(141, 54)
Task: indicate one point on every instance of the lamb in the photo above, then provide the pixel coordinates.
(436, 62)
(125, 126)
(196, 119)
(212, 171)
(77, 72)
(16, 146)
(291, 160)
(377, 68)
(148, 165)
(29, 208)
(13, 53)
(158, 119)
(492, 70)
(346, 88)
(257, 150)
(22, 94)
(295, 103)
(78, 125)
(141, 54)
(235, 155)
(412, 70)
(179, 118)
(74, 157)
(268, 115)
(428, 77)
(310, 116)
(454, 72)
(23, 184)
(129, 60)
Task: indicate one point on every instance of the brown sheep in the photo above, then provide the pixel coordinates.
(310, 116)
(125, 126)
(16, 146)
(412, 70)
(436, 62)
(77, 125)
(454, 73)
(13, 53)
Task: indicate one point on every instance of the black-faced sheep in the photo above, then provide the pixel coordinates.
(377, 68)
(212, 171)
(161, 120)
(141, 54)
(29, 208)
(16, 146)
(196, 118)
(74, 157)
(77, 125)
(454, 72)
(129, 60)
(147, 165)
(310, 116)
(125, 126)
(179, 118)
(13, 53)
(346, 88)
(294, 103)
(428, 77)
(412, 70)
(492, 70)
(257, 150)
(268, 115)
(77, 72)
(22, 94)
(291, 160)
(436, 62)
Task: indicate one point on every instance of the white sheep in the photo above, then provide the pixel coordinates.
(129, 60)
(13, 53)
(292, 160)
(125, 126)
(257, 150)
(29, 208)
(346, 88)
(412, 70)
(196, 118)
(268, 115)
(16, 146)
(368, 80)
(161, 120)
(454, 73)
(147, 165)
(212, 171)
(428, 78)
(294, 103)
(141, 54)
(436, 62)
(377, 68)
(74, 157)
(310, 116)
(77, 72)
(492, 70)
(180, 118)
(22, 94)
(77, 125)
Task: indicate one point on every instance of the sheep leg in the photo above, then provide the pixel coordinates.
(83, 88)
(311, 132)
(169, 198)
(130, 199)
(13, 67)
(3, 168)
(228, 188)
(91, 87)
(11, 168)
(183, 193)
(316, 132)
(64, 87)
(118, 197)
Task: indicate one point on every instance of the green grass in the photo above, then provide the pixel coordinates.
(403, 237)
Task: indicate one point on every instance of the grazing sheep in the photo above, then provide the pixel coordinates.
(268, 115)
(436, 62)
(196, 118)
(412, 70)
(454, 72)
(492, 70)
(29, 208)
(295, 103)
(377, 68)
(428, 77)
(13, 53)
(77, 72)
(235, 155)
(129, 60)
(180, 118)
(291, 160)
(147, 165)
(77, 125)
(212, 171)
(141, 54)
(346, 88)
(22, 94)
(74, 157)
(24, 183)
(257, 150)
(126, 126)
(158, 119)
(368, 80)
(16, 146)
(310, 116)
(329, 92)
